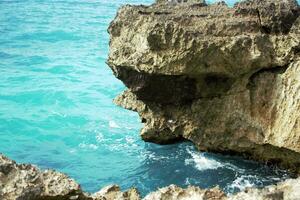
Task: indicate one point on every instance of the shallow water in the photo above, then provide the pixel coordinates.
(56, 107)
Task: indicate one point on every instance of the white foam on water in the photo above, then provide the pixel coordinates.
(58, 114)
(201, 162)
(241, 183)
(234, 168)
(129, 140)
(88, 146)
(99, 137)
(187, 181)
(152, 156)
(113, 124)
(72, 151)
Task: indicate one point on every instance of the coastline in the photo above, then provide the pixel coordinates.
(223, 78)
(27, 182)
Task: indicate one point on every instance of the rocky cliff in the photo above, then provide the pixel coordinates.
(225, 78)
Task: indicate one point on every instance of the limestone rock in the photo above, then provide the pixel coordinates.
(113, 192)
(174, 192)
(226, 79)
(181, 2)
(27, 182)
(288, 190)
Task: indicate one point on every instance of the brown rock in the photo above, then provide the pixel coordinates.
(113, 192)
(176, 193)
(27, 182)
(288, 190)
(226, 79)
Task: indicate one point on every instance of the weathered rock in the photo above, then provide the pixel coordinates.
(24, 182)
(227, 79)
(181, 2)
(113, 192)
(288, 190)
(174, 192)
(27, 182)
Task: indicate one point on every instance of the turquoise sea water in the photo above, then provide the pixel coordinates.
(56, 107)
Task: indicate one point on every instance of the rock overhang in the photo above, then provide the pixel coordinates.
(226, 77)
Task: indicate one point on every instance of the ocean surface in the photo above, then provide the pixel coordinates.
(56, 107)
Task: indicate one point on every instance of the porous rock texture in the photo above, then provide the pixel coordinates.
(27, 182)
(225, 78)
(288, 190)
(174, 192)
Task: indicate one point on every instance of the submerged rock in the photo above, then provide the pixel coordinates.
(227, 79)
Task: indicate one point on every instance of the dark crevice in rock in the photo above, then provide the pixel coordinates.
(162, 13)
(253, 83)
(73, 195)
(263, 29)
(198, 5)
(288, 22)
(273, 17)
(160, 140)
(213, 85)
(222, 95)
(174, 89)
(274, 70)
(192, 3)
(296, 50)
(144, 12)
(143, 120)
(162, 89)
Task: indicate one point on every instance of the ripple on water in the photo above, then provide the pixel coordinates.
(51, 37)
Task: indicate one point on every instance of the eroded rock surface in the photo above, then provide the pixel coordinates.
(27, 182)
(227, 79)
(288, 190)
(177, 193)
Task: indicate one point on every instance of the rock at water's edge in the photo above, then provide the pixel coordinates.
(227, 79)
(27, 182)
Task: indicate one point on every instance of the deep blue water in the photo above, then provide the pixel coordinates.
(56, 107)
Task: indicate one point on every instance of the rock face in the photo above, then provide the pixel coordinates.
(27, 182)
(227, 79)
(177, 193)
(288, 190)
